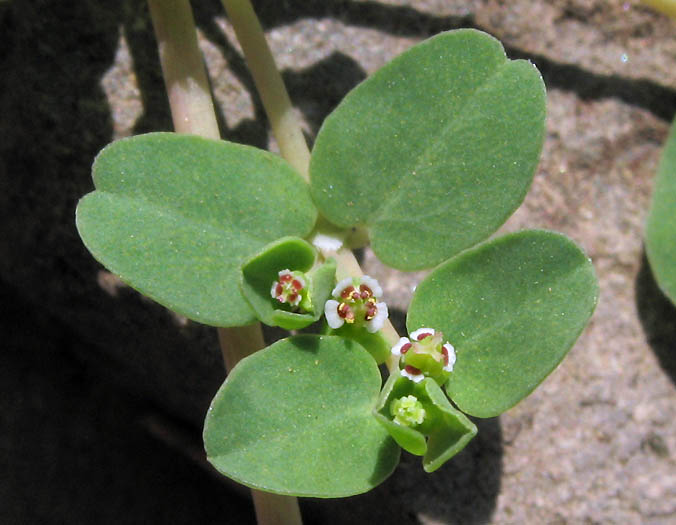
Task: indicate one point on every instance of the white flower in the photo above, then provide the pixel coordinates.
(425, 354)
(355, 301)
(289, 288)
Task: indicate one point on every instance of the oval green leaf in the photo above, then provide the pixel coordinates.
(434, 151)
(661, 224)
(512, 308)
(175, 215)
(296, 419)
(450, 437)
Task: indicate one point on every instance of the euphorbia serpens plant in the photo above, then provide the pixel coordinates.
(429, 156)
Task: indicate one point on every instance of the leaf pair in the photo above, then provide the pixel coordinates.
(430, 156)
(512, 308)
(176, 215)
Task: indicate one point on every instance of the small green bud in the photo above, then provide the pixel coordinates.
(407, 411)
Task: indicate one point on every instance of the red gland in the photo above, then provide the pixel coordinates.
(285, 278)
(412, 370)
(366, 292)
(406, 348)
(423, 335)
(444, 352)
(347, 292)
(345, 312)
(371, 311)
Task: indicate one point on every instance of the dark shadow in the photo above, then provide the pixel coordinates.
(138, 30)
(645, 94)
(658, 318)
(77, 383)
(76, 448)
(398, 319)
(408, 22)
(307, 343)
(316, 91)
(395, 20)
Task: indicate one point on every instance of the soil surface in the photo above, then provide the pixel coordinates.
(104, 391)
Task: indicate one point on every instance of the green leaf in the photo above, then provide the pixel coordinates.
(451, 436)
(661, 225)
(261, 271)
(448, 429)
(375, 344)
(512, 308)
(296, 418)
(434, 151)
(175, 215)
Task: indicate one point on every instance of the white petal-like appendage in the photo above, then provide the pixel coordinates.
(420, 331)
(341, 286)
(451, 357)
(377, 322)
(373, 285)
(396, 349)
(326, 244)
(416, 378)
(331, 313)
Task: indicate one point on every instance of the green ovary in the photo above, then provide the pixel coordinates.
(407, 411)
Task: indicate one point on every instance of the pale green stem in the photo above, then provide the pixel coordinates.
(193, 112)
(668, 7)
(283, 119)
(285, 125)
(185, 78)
(348, 266)
(239, 342)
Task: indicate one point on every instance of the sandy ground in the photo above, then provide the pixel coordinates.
(104, 391)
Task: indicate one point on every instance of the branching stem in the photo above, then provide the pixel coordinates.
(192, 111)
(283, 119)
(185, 78)
(285, 125)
